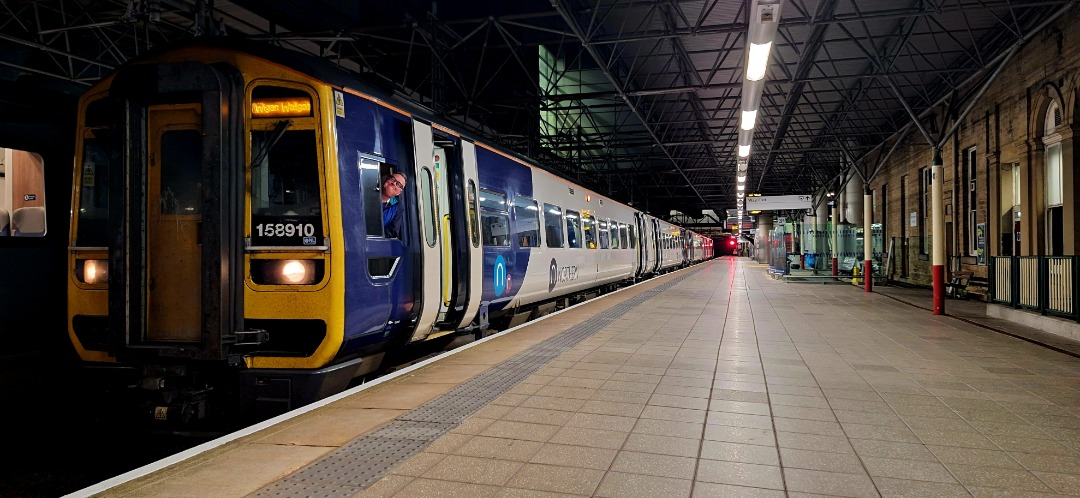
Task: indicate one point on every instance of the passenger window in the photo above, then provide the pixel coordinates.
(553, 225)
(526, 222)
(23, 213)
(492, 200)
(633, 236)
(624, 234)
(588, 226)
(614, 234)
(573, 229)
(605, 241)
(495, 229)
(494, 219)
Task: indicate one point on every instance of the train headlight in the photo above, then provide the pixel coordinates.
(286, 271)
(92, 271)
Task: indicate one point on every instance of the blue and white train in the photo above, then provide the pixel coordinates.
(227, 253)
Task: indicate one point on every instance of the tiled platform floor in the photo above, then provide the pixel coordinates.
(733, 384)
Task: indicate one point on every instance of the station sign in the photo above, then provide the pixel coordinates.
(778, 202)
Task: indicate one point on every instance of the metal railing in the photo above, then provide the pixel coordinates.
(1043, 283)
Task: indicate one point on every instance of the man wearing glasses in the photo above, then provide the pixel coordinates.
(392, 186)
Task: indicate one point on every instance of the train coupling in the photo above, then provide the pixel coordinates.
(252, 337)
(170, 396)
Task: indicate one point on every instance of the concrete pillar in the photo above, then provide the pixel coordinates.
(937, 217)
(762, 245)
(835, 238)
(868, 254)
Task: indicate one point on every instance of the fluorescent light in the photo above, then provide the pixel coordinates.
(757, 61)
(740, 187)
(748, 119)
(744, 150)
(741, 178)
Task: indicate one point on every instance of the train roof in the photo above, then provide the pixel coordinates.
(335, 75)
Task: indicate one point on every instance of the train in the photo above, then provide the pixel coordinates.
(227, 253)
(726, 245)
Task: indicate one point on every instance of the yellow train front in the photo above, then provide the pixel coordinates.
(216, 196)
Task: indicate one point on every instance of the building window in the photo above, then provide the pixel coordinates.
(926, 175)
(971, 200)
(1054, 187)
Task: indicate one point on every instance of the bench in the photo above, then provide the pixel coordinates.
(980, 286)
(958, 285)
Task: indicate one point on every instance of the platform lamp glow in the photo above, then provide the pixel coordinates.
(762, 23)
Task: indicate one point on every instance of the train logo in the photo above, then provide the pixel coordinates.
(556, 274)
(501, 278)
(553, 275)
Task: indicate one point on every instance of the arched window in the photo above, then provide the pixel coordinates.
(1054, 186)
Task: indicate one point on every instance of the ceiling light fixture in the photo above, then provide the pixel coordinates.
(749, 118)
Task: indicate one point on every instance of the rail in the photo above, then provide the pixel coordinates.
(1046, 284)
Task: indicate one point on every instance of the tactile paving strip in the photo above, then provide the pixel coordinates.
(364, 460)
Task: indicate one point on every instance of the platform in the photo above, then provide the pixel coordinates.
(713, 381)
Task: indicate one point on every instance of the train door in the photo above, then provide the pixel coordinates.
(471, 245)
(642, 247)
(658, 245)
(175, 238)
(436, 265)
(173, 221)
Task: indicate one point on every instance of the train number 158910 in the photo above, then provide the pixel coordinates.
(284, 229)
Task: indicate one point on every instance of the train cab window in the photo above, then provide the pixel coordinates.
(92, 212)
(285, 187)
(526, 222)
(22, 176)
(573, 229)
(614, 226)
(553, 230)
(605, 239)
(633, 236)
(624, 234)
(494, 219)
(588, 228)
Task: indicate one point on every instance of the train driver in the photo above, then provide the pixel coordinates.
(392, 186)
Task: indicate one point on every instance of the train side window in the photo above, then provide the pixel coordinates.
(605, 238)
(553, 231)
(474, 220)
(494, 219)
(427, 190)
(624, 234)
(492, 200)
(526, 222)
(588, 226)
(23, 177)
(614, 226)
(495, 229)
(633, 236)
(370, 183)
(573, 229)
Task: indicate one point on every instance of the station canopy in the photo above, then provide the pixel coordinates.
(638, 100)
